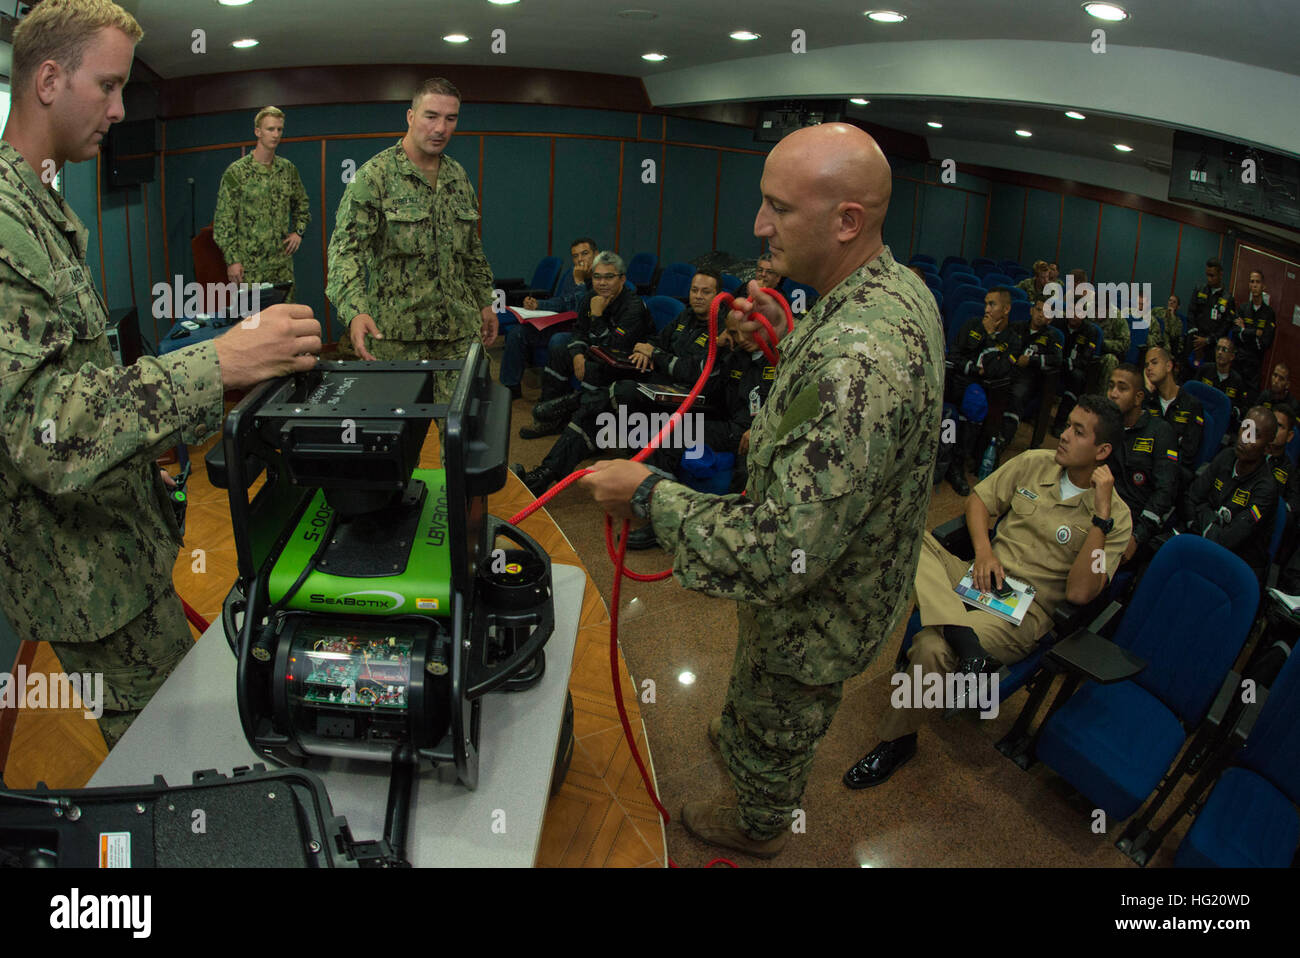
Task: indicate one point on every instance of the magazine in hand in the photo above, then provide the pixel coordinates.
(1011, 608)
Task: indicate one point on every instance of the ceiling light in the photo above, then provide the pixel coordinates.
(859, 101)
(1075, 115)
(934, 125)
(686, 678)
(456, 38)
(885, 16)
(503, 3)
(233, 3)
(1023, 133)
(1106, 11)
(653, 57)
(745, 35)
(245, 43)
(1123, 148)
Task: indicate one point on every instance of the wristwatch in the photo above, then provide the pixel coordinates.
(641, 498)
(1105, 525)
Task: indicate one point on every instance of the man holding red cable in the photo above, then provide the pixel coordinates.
(821, 551)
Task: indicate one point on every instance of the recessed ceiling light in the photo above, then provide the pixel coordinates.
(1075, 115)
(686, 678)
(1023, 133)
(456, 38)
(245, 43)
(503, 3)
(1105, 11)
(653, 57)
(233, 3)
(745, 35)
(934, 125)
(859, 101)
(1123, 148)
(885, 16)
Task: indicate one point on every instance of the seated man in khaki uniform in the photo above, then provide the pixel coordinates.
(1062, 531)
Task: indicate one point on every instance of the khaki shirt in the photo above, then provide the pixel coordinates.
(1040, 536)
(407, 252)
(87, 540)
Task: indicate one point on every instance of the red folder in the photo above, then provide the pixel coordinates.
(543, 322)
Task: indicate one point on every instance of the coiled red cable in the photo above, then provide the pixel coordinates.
(767, 343)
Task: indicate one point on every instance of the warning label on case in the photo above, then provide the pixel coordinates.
(114, 849)
(427, 604)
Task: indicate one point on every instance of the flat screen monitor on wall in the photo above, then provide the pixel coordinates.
(1236, 179)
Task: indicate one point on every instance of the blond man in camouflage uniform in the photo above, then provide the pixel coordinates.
(821, 553)
(262, 209)
(87, 538)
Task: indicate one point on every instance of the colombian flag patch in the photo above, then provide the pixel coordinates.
(1254, 511)
(1171, 454)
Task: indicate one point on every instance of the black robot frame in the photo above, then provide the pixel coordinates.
(282, 428)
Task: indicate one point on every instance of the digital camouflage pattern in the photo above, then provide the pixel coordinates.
(1167, 332)
(87, 540)
(257, 207)
(1115, 339)
(407, 255)
(840, 462)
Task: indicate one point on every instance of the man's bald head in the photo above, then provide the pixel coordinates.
(839, 163)
(825, 193)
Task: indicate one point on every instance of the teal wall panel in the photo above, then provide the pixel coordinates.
(1005, 216)
(1155, 261)
(639, 226)
(1042, 221)
(1119, 240)
(738, 204)
(586, 193)
(689, 179)
(898, 222)
(516, 182)
(1198, 245)
(1078, 236)
(940, 213)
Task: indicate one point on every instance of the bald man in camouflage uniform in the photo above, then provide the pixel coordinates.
(820, 553)
(410, 221)
(87, 535)
(262, 210)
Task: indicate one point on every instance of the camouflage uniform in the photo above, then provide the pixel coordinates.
(408, 255)
(257, 207)
(1167, 332)
(840, 463)
(1115, 340)
(87, 538)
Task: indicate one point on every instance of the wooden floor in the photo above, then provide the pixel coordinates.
(600, 817)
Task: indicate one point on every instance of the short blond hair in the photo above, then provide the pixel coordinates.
(60, 30)
(266, 111)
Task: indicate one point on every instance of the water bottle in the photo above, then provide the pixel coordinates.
(989, 464)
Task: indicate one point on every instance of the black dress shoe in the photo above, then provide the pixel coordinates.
(643, 538)
(971, 665)
(561, 407)
(957, 478)
(542, 427)
(881, 762)
(539, 480)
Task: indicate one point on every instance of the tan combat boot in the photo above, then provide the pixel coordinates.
(720, 825)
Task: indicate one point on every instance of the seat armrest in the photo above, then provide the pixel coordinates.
(1223, 699)
(1091, 656)
(954, 536)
